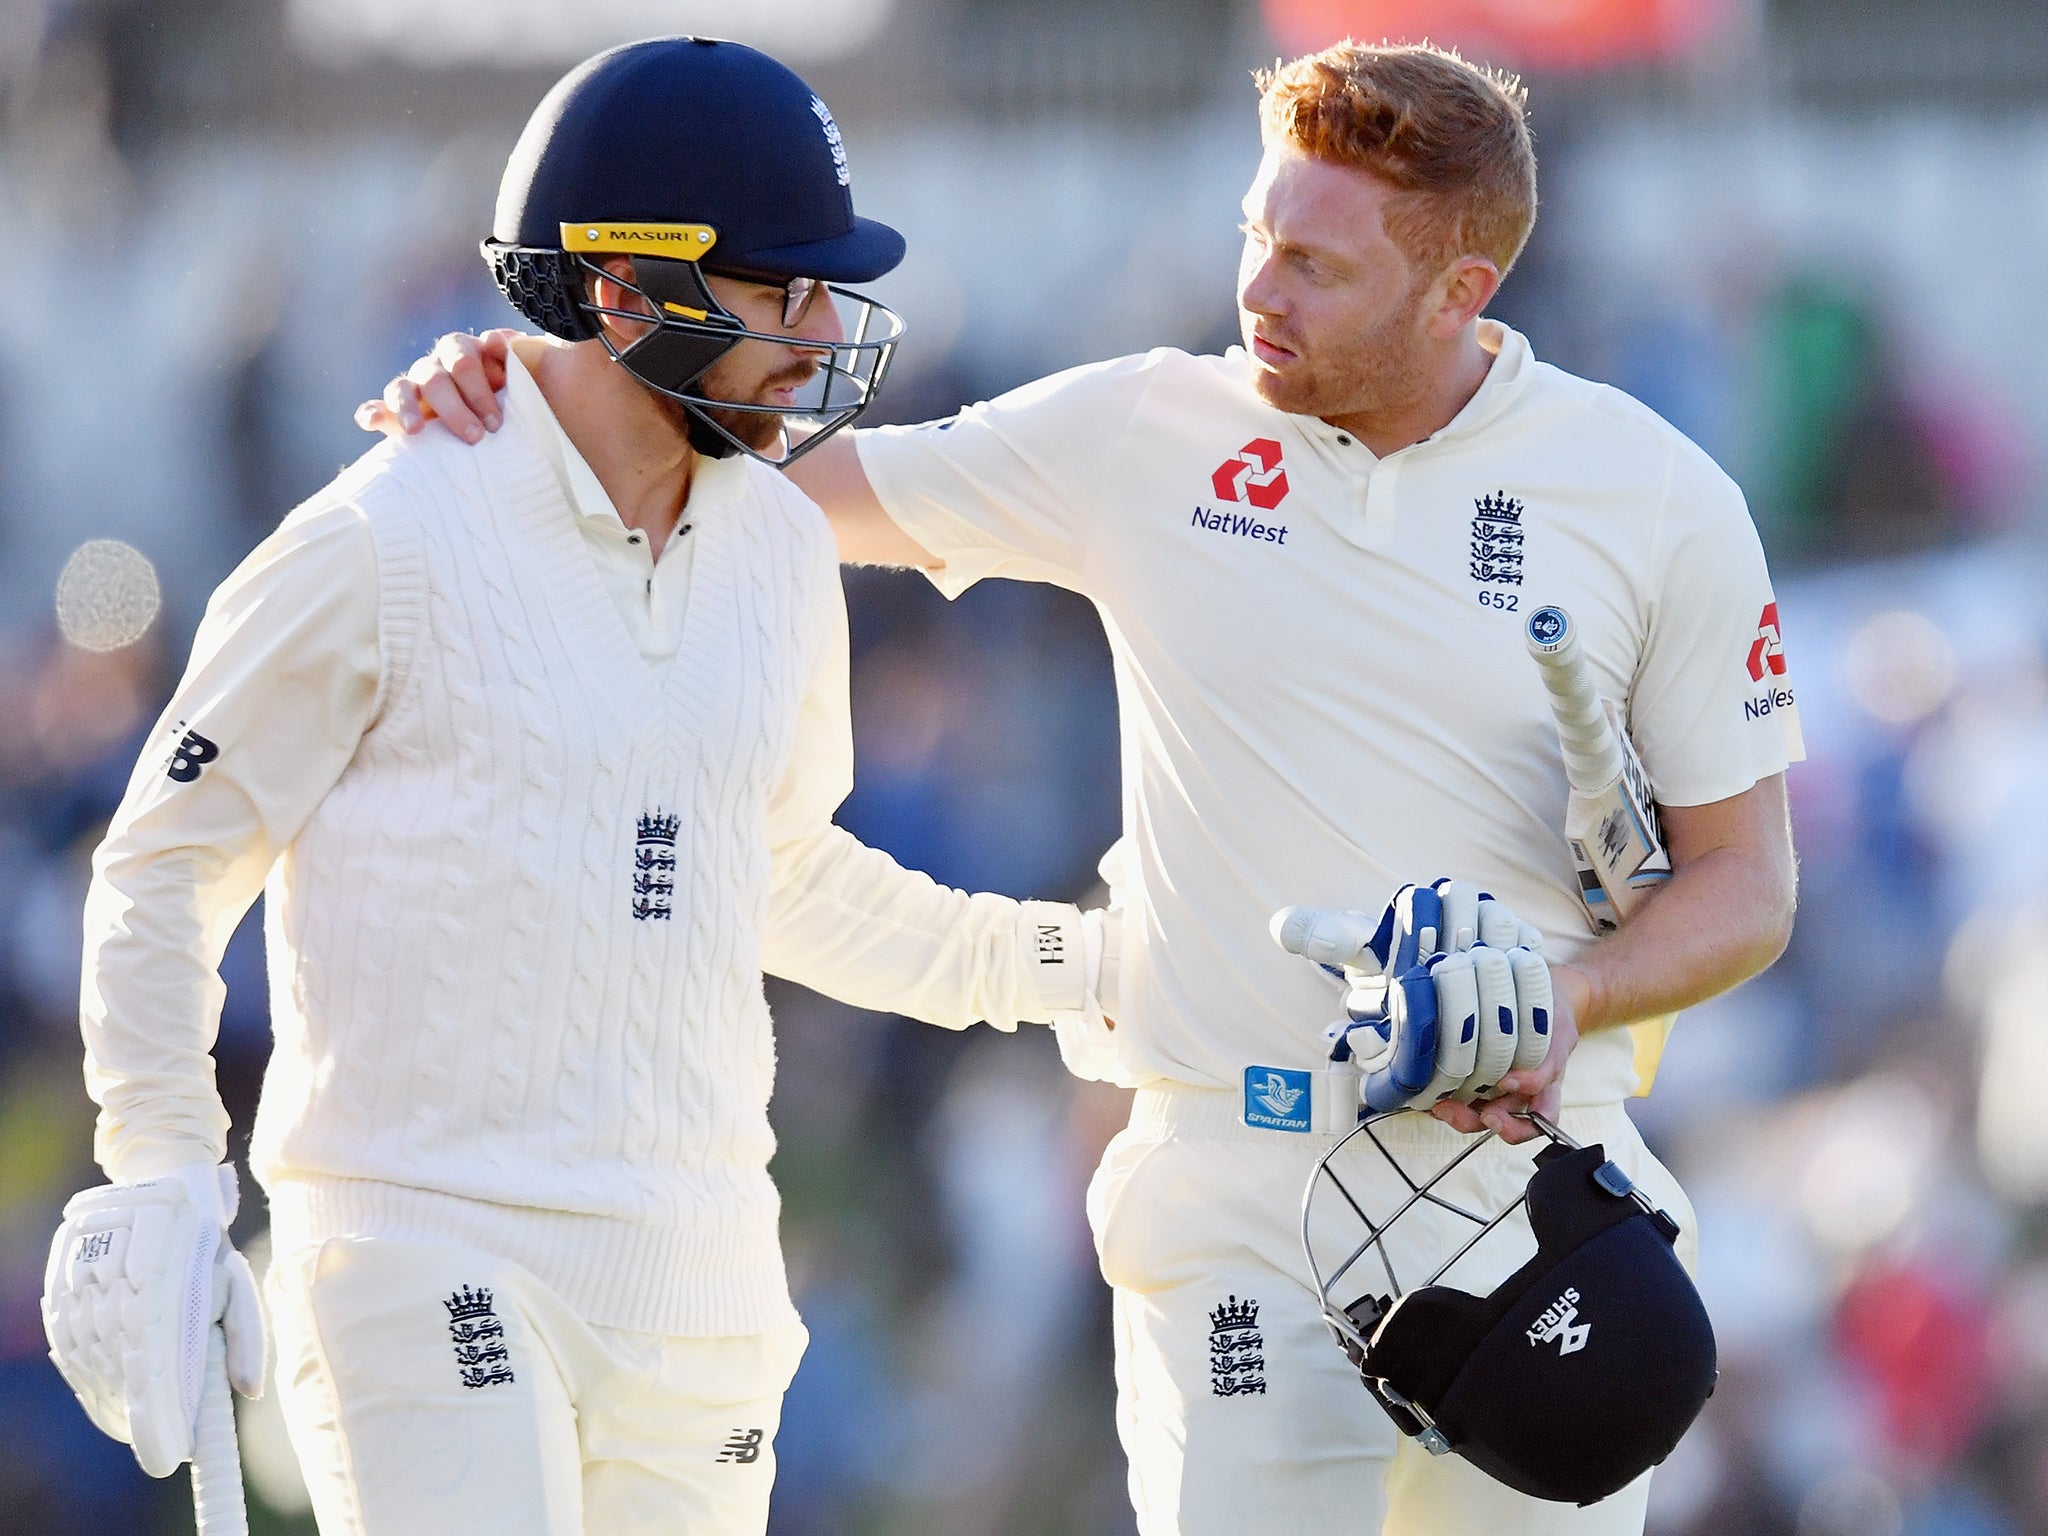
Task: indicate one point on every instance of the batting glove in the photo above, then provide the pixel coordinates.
(137, 1275)
(1443, 996)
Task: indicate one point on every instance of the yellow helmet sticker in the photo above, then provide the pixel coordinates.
(678, 242)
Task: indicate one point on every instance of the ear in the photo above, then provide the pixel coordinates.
(609, 294)
(1462, 294)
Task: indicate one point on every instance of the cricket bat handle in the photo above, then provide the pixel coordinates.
(1592, 754)
(216, 1460)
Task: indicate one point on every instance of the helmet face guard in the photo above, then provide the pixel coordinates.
(1574, 1375)
(688, 331)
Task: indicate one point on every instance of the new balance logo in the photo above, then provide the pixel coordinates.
(744, 1446)
(191, 755)
(1252, 475)
(1559, 1324)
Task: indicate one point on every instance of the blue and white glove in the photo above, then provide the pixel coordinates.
(1443, 996)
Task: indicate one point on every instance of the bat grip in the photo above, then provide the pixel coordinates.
(1592, 754)
(216, 1461)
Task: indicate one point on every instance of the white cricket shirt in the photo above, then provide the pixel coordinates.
(1320, 668)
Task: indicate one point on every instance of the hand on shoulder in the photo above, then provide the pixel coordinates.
(456, 383)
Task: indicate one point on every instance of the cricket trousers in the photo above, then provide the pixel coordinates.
(1237, 1410)
(442, 1390)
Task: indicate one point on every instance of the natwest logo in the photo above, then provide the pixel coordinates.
(1252, 474)
(1767, 651)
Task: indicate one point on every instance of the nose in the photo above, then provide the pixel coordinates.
(1258, 292)
(821, 322)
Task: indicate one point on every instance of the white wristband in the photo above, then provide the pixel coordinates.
(1058, 966)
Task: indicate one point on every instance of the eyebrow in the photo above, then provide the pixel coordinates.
(1295, 247)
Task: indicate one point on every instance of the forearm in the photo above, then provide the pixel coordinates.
(1717, 922)
(849, 921)
(156, 922)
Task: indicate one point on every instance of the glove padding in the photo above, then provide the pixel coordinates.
(1444, 995)
(137, 1275)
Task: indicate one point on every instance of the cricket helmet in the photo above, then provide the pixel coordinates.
(693, 156)
(1568, 1380)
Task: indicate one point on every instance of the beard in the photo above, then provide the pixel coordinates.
(1372, 374)
(759, 430)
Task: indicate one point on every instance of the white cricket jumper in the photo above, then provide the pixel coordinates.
(523, 878)
(571, 858)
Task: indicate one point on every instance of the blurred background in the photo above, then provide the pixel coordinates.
(1805, 231)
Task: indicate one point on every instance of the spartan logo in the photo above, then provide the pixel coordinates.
(192, 753)
(1497, 540)
(1236, 1365)
(1559, 1324)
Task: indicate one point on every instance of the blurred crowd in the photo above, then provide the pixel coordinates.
(193, 310)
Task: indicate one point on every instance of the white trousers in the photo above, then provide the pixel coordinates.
(441, 1390)
(1197, 1221)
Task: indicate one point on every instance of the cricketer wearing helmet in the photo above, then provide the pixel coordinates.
(537, 748)
(1313, 558)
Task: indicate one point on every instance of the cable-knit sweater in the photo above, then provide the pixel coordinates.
(519, 908)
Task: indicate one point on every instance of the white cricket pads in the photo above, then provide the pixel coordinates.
(138, 1274)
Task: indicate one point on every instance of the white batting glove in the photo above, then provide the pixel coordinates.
(1445, 994)
(137, 1275)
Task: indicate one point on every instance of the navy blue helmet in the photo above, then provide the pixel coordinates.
(692, 157)
(1568, 1380)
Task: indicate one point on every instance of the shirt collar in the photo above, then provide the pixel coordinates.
(712, 481)
(1511, 367)
(525, 404)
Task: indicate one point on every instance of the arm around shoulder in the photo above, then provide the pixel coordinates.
(831, 475)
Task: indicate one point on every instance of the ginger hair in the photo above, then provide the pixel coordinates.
(1452, 137)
